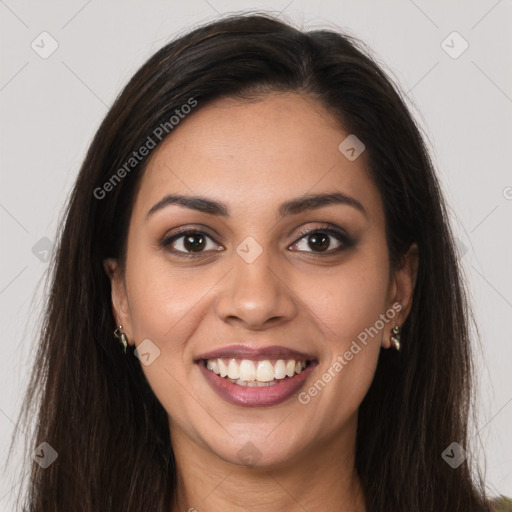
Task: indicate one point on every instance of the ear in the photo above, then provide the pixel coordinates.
(120, 306)
(402, 289)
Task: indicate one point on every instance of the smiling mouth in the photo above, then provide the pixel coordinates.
(260, 373)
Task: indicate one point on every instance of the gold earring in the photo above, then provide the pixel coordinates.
(395, 338)
(121, 336)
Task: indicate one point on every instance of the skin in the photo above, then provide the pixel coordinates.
(253, 156)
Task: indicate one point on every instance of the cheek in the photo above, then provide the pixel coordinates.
(349, 298)
(349, 304)
(165, 307)
(349, 317)
(160, 296)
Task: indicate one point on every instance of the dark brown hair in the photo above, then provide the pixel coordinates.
(95, 407)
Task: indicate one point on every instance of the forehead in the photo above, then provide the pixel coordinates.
(253, 155)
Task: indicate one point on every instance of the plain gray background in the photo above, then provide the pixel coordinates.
(51, 107)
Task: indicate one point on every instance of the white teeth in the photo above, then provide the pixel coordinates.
(223, 370)
(290, 368)
(246, 372)
(213, 365)
(253, 383)
(280, 369)
(265, 372)
(233, 370)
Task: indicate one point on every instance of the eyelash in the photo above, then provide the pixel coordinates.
(337, 233)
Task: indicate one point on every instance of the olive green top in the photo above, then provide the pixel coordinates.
(502, 504)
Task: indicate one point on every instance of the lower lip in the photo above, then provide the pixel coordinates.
(254, 396)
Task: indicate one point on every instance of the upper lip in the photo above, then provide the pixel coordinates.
(245, 352)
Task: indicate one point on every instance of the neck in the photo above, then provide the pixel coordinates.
(321, 478)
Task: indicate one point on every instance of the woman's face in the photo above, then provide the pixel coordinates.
(268, 266)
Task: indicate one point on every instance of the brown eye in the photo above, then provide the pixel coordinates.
(190, 242)
(322, 241)
(319, 241)
(194, 243)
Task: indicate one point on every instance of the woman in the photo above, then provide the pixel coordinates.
(256, 303)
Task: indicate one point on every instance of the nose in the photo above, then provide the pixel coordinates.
(255, 295)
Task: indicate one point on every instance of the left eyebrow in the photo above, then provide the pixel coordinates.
(312, 202)
(291, 207)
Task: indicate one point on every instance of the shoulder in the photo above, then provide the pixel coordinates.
(501, 504)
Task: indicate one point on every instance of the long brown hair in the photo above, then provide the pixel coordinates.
(94, 406)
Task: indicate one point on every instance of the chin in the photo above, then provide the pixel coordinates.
(257, 451)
